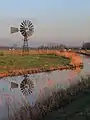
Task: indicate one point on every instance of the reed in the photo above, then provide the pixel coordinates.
(57, 100)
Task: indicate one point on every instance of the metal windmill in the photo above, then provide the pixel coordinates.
(26, 29)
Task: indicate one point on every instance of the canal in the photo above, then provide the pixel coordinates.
(14, 89)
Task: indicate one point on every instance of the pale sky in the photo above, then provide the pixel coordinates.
(66, 21)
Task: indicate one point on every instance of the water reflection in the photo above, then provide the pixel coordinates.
(26, 85)
(38, 86)
(14, 85)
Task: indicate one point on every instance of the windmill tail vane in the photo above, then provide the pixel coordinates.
(14, 30)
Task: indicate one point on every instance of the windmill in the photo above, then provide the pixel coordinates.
(26, 29)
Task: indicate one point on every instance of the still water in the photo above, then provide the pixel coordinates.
(43, 83)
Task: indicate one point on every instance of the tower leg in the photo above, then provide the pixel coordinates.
(25, 47)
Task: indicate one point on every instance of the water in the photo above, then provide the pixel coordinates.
(43, 83)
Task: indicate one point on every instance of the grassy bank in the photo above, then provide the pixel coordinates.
(14, 64)
(72, 103)
(31, 61)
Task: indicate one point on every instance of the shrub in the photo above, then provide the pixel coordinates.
(1, 53)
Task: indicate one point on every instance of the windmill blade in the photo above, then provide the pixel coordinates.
(23, 33)
(27, 22)
(30, 23)
(14, 30)
(24, 22)
(22, 29)
(21, 26)
(31, 26)
(31, 29)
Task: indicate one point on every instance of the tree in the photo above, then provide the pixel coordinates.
(86, 46)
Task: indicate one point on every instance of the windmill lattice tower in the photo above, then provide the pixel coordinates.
(26, 29)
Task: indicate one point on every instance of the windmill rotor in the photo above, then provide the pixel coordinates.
(26, 28)
(26, 86)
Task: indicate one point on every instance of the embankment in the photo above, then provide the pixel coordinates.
(76, 61)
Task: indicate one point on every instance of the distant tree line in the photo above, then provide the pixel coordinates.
(86, 46)
(61, 46)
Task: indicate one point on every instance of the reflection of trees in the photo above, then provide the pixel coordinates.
(26, 85)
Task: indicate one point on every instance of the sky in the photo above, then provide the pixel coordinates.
(63, 21)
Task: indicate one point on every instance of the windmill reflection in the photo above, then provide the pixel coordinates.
(26, 85)
(14, 85)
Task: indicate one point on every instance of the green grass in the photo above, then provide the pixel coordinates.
(32, 61)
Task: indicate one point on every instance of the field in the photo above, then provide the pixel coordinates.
(31, 61)
(13, 63)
